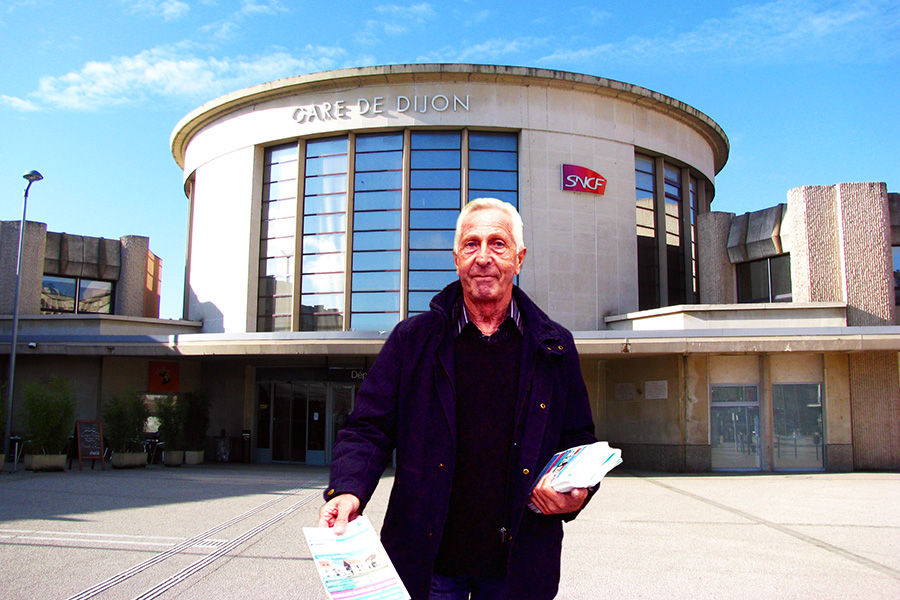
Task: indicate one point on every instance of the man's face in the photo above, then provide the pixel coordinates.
(486, 258)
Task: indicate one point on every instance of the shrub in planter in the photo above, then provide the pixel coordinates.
(171, 412)
(124, 419)
(196, 422)
(49, 418)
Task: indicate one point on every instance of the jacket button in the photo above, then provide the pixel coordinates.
(543, 405)
(560, 347)
(331, 492)
(525, 471)
(440, 465)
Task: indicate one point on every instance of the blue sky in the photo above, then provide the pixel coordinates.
(808, 91)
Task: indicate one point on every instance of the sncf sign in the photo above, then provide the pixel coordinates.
(581, 179)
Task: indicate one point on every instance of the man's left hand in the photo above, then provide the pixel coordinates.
(551, 502)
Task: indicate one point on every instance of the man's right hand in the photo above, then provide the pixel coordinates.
(339, 511)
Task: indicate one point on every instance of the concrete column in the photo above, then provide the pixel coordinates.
(841, 249)
(133, 276)
(32, 266)
(717, 275)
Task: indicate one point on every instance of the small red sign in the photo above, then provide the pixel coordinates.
(581, 179)
(164, 377)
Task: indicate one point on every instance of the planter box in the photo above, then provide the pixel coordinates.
(173, 458)
(45, 462)
(193, 457)
(128, 460)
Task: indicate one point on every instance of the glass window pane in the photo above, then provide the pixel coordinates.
(753, 281)
(323, 302)
(280, 209)
(326, 184)
(493, 141)
(58, 294)
(325, 204)
(433, 240)
(323, 263)
(435, 179)
(277, 305)
(376, 281)
(375, 240)
(735, 437)
(376, 261)
(278, 247)
(369, 221)
(275, 286)
(430, 259)
(379, 180)
(436, 140)
(333, 223)
(378, 142)
(799, 429)
(315, 244)
(95, 296)
(781, 278)
(419, 301)
(323, 283)
(376, 302)
(493, 180)
(374, 321)
(435, 159)
(277, 267)
(510, 197)
(896, 256)
(278, 228)
(280, 190)
(281, 172)
(379, 200)
(493, 161)
(434, 199)
(326, 165)
(378, 161)
(433, 219)
(431, 280)
(325, 147)
(281, 154)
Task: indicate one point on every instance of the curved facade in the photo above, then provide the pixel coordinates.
(326, 202)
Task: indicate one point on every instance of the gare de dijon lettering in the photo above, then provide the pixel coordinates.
(339, 109)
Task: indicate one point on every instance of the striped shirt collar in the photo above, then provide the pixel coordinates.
(462, 318)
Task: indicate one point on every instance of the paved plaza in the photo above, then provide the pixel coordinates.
(235, 531)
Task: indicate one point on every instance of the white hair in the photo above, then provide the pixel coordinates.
(487, 203)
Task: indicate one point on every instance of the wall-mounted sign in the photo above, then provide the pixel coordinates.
(582, 179)
(368, 107)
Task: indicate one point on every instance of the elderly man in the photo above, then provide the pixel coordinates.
(475, 395)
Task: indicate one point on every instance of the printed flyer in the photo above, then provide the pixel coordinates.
(354, 566)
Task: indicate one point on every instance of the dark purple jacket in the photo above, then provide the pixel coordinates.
(407, 403)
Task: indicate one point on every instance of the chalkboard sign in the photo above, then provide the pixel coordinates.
(89, 436)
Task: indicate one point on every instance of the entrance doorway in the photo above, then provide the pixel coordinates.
(734, 427)
(297, 422)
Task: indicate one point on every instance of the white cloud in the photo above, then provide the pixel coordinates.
(225, 28)
(167, 72)
(18, 104)
(487, 51)
(399, 21)
(782, 30)
(167, 9)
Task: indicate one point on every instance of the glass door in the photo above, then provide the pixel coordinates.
(316, 423)
(799, 434)
(734, 428)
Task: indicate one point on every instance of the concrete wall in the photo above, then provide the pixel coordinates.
(32, 266)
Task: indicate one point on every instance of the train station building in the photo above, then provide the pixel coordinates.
(322, 211)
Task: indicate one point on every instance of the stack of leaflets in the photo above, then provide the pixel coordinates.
(580, 467)
(354, 566)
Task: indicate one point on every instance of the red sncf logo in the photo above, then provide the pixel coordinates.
(581, 179)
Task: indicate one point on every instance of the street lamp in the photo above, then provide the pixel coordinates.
(31, 176)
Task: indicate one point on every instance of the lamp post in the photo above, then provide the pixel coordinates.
(31, 176)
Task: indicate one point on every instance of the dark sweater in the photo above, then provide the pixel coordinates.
(486, 379)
